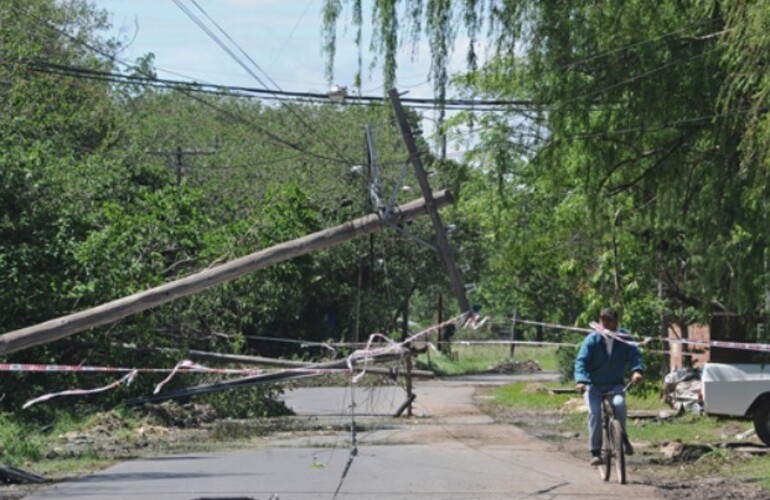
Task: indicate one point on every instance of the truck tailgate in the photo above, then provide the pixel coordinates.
(731, 389)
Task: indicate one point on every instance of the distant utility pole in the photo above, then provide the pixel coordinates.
(441, 239)
(176, 158)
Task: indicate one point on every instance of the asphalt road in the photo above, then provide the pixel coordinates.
(447, 450)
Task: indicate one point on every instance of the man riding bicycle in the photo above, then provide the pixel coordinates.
(600, 367)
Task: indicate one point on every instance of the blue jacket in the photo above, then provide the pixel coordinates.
(595, 367)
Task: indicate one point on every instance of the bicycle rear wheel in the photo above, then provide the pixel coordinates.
(606, 466)
(616, 431)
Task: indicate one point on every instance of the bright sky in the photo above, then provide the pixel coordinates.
(282, 36)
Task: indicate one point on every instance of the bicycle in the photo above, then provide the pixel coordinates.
(612, 439)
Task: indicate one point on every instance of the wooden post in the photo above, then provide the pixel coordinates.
(422, 178)
(356, 334)
(404, 336)
(513, 332)
(409, 387)
(442, 347)
(65, 326)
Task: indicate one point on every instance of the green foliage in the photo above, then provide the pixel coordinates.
(481, 358)
(252, 402)
(18, 443)
(566, 360)
(92, 212)
(636, 175)
(446, 366)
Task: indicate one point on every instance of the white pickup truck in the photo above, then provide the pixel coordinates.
(741, 390)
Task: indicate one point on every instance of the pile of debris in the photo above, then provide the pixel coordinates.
(510, 367)
(184, 416)
(682, 390)
(111, 435)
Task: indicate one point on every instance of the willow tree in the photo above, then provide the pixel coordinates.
(745, 98)
(636, 118)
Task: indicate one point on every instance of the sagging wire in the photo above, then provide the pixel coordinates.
(353, 440)
(367, 355)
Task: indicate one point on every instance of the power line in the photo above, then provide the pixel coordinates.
(77, 77)
(279, 95)
(636, 78)
(652, 128)
(112, 57)
(613, 51)
(254, 92)
(293, 30)
(250, 92)
(216, 39)
(237, 46)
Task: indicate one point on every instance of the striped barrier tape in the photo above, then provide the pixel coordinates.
(182, 366)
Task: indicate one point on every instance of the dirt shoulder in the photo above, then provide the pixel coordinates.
(675, 474)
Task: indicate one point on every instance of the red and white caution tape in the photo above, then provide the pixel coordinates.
(126, 379)
(509, 342)
(189, 366)
(748, 346)
(554, 326)
(186, 365)
(391, 347)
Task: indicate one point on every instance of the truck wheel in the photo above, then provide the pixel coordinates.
(762, 422)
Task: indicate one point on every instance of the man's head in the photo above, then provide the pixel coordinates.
(609, 318)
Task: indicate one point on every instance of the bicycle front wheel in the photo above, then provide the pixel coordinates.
(606, 466)
(616, 431)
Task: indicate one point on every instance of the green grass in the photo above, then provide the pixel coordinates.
(71, 467)
(479, 358)
(19, 443)
(756, 469)
(687, 428)
(521, 395)
(25, 445)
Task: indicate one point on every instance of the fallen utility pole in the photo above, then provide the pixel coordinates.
(422, 178)
(305, 370)
(65, 326)
(286, 363)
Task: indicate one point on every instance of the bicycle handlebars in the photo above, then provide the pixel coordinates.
(581, 390)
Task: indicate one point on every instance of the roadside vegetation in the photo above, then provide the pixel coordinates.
(467, 359)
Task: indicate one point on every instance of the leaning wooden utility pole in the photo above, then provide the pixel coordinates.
(422, 178)
(64, 326)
